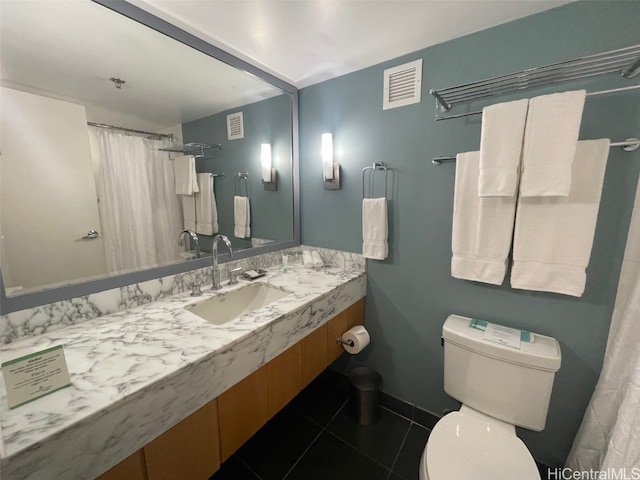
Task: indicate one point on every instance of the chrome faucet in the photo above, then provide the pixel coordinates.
(194, 237)
(215, 275)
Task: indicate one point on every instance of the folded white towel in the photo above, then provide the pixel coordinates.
(184, 168)
(374, 228)
(189, 212)
(501, 148)
(241, 217)
(307, 259)
(553, 236)
(317, 259)
(206, 209)
(482, 227)
(550, 140)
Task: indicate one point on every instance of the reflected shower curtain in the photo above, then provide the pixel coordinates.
(609, 437)
(139, 209)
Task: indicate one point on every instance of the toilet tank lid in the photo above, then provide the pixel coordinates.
(542, 352)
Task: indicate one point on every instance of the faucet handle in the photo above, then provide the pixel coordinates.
(233, 275)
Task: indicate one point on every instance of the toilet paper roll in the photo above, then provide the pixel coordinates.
(356, 339)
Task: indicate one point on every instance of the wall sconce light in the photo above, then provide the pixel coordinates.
(330, 169)
(269, 174)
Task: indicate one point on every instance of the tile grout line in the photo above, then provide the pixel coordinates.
(395, 460)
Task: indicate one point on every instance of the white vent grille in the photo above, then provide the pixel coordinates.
(402, 85)
(235, 126)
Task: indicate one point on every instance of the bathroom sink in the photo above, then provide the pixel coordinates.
(227, 306)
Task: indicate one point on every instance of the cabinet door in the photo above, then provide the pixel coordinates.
(243, 410)
(354, 315)
(314, 354)
(190, 449)
(284, 374)
(131, 468)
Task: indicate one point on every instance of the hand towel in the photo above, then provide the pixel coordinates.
(185, 173)
(550, 140)
(307, 259)
(206, 209)
(317, 259)
(374, 228)
(189, 212)
(482, 226)
(501, 148)
(553, 236)
(241, 217)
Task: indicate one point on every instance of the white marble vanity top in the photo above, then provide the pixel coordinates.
(138, 372)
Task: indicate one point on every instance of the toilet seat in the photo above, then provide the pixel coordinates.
(468, 445)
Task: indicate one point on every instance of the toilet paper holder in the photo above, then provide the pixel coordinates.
(345, 342)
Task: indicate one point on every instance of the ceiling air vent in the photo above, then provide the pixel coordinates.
(235, 126)
(402, 85)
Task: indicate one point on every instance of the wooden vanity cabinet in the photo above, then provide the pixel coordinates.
(314, 354)
(131, 468)
(284, 378)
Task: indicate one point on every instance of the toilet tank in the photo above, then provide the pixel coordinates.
(508, 383)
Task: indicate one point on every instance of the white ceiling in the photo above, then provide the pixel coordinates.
(308, 41)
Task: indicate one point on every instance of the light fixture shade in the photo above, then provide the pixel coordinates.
(265, 160)
(327, 156)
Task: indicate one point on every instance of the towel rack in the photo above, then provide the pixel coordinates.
(239, 177)
(629, 145)
(192, 148)
(625, 61)
(375, 166)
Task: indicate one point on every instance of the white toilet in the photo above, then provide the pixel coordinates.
(500, 387)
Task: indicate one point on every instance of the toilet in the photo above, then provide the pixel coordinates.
(502, 382)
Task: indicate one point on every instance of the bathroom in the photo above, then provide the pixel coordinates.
(411, 293)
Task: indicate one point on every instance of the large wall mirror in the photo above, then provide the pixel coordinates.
(104, 107)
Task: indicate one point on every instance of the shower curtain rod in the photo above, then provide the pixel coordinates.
(168, 136)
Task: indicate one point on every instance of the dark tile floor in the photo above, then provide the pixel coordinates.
(314, 438)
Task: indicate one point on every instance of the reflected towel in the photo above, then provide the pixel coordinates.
(189, 212)
(241, 217)
(482, 226)
(553, 236)
(501, 148)
(185, 173)
(550, 141)
(206, 209)
(374, 228)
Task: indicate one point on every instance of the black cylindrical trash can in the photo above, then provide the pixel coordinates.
(364, 405)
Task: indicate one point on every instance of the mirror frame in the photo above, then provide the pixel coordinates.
(35, 299)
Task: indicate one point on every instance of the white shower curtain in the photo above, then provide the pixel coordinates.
(609, 437)
(139, 209)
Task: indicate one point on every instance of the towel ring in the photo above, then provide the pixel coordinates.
(241, 176)
(375, 166)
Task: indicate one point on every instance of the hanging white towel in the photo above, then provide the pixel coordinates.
(241, 217)
(374, 228)
(553, 236)
(482, 227)
(550, 140)
(501, 148)
(206, 209)
(189, 212)
(185, 173)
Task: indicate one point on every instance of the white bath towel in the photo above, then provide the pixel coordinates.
(241, 217)
(501, 148)
(307, 259)
(550, 140)
(374, 228)
(184, 168)
(206, 209)
(553, 236)
(317, 259)
(482, 227)
(189, 212)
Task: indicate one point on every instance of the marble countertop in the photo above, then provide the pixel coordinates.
(138, 372)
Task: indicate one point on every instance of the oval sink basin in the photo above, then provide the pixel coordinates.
(227, 306)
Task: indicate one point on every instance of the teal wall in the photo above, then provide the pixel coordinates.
(410, 294)
(266, 121)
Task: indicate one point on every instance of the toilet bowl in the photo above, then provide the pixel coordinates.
(503, 378)
(468, 445)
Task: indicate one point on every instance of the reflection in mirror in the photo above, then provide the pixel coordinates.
(81, 200)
